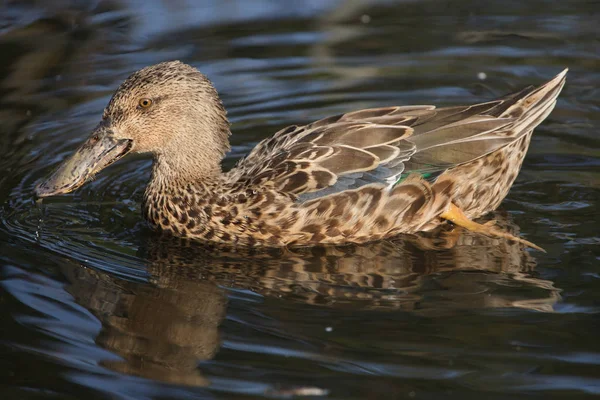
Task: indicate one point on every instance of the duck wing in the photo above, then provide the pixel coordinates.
(387, 144)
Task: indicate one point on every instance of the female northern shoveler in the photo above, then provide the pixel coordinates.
(351, 178)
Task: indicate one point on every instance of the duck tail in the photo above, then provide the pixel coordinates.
(532, 105)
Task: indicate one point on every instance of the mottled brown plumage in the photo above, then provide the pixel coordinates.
(350, 178)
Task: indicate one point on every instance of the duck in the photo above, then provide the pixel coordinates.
(352, 178)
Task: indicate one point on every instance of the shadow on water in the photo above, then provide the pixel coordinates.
(93, 305)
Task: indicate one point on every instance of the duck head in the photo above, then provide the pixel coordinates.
(169, 110)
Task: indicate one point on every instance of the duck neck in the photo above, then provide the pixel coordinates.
(193, 156)
(184, 169)
(176, 185)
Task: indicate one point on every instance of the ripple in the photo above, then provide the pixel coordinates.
(90, 226)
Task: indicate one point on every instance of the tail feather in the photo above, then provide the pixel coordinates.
(457, 143)
(532, 109)
(545, 94)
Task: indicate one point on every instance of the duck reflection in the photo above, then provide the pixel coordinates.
(163, 328)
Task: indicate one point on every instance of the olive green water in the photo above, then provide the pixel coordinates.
(93, 305)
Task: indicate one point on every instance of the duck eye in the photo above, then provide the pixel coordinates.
(145, 103)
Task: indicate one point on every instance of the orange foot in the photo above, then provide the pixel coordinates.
(457, 217)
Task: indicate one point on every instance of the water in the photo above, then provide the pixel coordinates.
(93, 305)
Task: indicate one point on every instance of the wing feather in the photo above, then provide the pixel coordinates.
(384, 144)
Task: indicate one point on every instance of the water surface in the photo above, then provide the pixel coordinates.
(94, 305)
